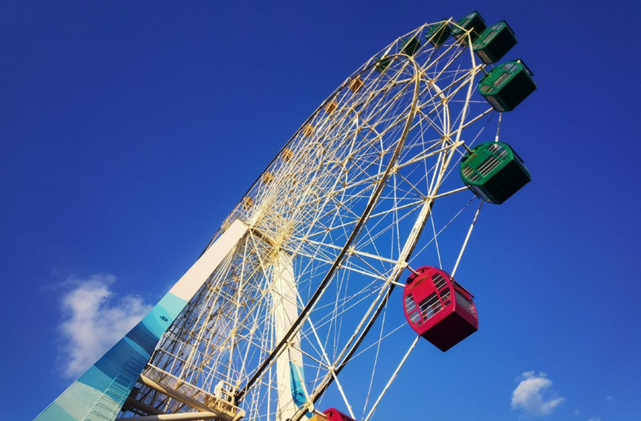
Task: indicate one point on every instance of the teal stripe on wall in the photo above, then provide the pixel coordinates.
(110, 380)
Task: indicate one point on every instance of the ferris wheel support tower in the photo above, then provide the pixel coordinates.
(289, 364)
(101, 391)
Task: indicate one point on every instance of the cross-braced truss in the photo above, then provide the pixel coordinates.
(345, 201)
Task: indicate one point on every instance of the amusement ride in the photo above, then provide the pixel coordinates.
(341, 256)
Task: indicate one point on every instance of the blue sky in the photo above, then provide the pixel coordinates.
(129, 130)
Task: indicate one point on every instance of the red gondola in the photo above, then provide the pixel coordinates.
(431, 311)
(333, 414)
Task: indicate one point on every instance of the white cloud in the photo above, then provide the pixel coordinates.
(94, 320)
(594, 419)
(609, 398)
(534, 396)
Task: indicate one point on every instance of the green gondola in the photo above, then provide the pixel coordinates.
(472, 21)
(494, 42)
(494, 172)
(382, 63)
(507, 85)
(437, 34)
(409, 46)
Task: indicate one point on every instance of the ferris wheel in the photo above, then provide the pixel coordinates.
(296, 310)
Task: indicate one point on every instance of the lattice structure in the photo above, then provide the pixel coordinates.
(347, 198)
(287, 309)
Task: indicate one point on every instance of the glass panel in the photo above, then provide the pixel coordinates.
(488, 165)
(410, 306)
(439, 281)
(486, 88)
(498, 150)
(510, 67)
(467, 171)
(501, 79)
(464, 303)
(445, 294)
(430, 306)
(414, 317)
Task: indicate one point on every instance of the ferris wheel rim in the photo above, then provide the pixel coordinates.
(386, 291)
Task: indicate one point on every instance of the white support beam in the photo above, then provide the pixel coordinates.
(142, 406)
(222, 416)
(289, 364)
